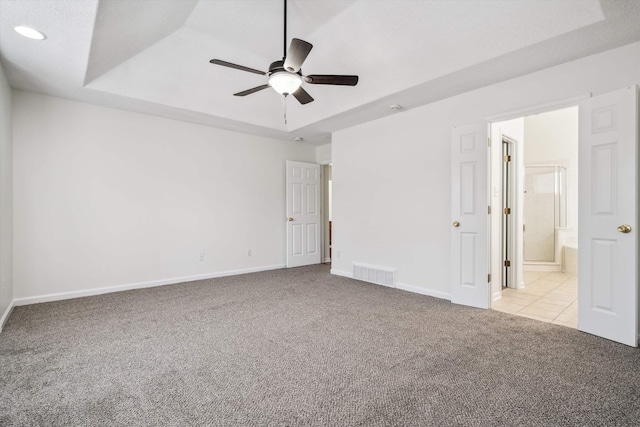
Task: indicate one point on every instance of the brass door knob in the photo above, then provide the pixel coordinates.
(290, 219)
(624, 228)
(456, 224)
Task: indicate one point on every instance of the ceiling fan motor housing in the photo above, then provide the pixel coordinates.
(278, 66)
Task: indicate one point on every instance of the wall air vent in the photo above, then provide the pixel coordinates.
(384, 276)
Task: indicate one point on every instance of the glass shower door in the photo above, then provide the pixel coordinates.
(540, 213)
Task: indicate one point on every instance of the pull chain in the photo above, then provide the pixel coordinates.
(284, 104)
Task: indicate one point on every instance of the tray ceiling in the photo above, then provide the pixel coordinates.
(152, 56)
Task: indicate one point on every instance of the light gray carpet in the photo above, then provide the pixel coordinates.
(302, 347)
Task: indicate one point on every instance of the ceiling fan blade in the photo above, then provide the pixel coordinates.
(250, 91)
(297, 53)
(236, 66)
(302, 96)
(330, 79)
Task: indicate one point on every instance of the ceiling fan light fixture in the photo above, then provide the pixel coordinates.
(284, 82)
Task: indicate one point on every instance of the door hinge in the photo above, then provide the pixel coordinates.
(488, 278)
(507, 159)
(507, 263)
(507, 211)
(489, 210)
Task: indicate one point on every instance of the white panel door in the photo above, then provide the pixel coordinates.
(303, 214)
(607, 223)
(469, 216)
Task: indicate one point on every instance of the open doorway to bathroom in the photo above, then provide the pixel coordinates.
(326, 209)
(534, 186)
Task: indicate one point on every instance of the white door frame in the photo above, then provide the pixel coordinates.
(514, 254)
(324, 195)
(502, 117)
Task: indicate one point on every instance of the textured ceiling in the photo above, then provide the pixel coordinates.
(153, 56)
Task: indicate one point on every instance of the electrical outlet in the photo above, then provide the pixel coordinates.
(249, 252)
(337, 254)
(202, 257)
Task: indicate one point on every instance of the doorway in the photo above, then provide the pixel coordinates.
(327, 210)
(534, 175)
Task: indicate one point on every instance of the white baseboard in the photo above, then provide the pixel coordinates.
(403, 286)
(327, 260)
(423, 291)
(140, 285)
(496, 296)
(542, 267)
(6, 314)
(348, 274)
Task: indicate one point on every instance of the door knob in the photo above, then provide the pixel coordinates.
(456, 224)
(290, 219)
(624, 228)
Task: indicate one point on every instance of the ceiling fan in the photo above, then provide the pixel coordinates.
(285, 76)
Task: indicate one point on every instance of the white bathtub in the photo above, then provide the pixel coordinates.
(570, 257)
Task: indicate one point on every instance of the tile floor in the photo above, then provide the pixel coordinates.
(547, 296)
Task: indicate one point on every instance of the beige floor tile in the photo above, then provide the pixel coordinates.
(506, 308)
(531, 276)
(556, 276)
(552, 303)
(571, 281)
(573, 325)
(510, 291)
(565, 291)
(533, 291)
(571, 311)
(520, 298)
(548, 296)
(564, 300)
(567, 317)
(547, 312)
(511, 301)
(533, 316)
(546, 306)
(542, 284)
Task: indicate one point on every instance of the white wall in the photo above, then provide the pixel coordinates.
(6, 200)
(391, 177)
(106, 198)
(323, 154)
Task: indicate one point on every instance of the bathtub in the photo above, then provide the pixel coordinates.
(570, 257)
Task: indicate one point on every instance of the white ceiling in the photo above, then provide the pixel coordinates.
(152, 56)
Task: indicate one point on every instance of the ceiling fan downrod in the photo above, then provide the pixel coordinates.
(284, 45)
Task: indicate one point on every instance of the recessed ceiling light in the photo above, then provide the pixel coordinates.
(395, 107)
(298, 139)
(30, 33)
